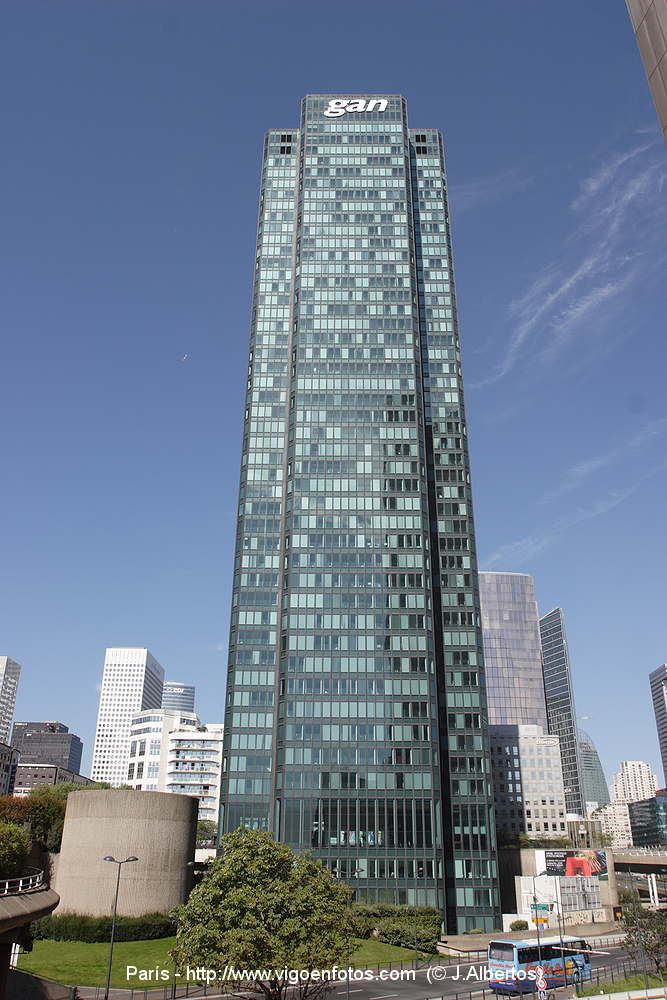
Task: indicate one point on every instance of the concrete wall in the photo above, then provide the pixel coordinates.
(158, 829)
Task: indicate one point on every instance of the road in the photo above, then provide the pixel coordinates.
(446, 977)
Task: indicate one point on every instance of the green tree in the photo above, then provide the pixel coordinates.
(263, 907)
(206, 832)
(14, 849)
(646, 932)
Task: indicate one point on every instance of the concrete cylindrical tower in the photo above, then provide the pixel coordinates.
(157, 828)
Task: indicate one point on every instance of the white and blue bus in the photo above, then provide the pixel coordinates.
(513, 964)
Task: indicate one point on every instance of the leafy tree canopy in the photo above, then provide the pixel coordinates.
(261, 906)
(14, 849)
(646, 934)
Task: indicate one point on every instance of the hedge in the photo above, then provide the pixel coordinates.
(76, 927)
(396, 924)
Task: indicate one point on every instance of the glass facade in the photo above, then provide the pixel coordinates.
(594, 783)
(512, 652)
(648, 820)
(356, 722)
(561, 712)
(658, 682)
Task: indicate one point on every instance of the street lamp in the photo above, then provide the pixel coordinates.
(537, 924)
(113, 919)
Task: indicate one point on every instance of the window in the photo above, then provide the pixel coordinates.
(503, 951)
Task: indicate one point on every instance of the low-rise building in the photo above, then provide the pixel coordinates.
(528, 789)
(29, 776)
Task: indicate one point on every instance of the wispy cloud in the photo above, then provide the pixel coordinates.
(470, 195)
(522, 550)
(593, 184)
(617, 237)
(588, 467)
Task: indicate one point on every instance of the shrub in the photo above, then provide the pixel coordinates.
(519, 925)
(15, 847)
(475, 930)
(402, 934)
(77, 927)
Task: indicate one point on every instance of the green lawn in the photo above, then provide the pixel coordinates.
(78, 964)
(621, 985)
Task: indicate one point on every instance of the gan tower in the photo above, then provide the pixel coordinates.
(356, 720)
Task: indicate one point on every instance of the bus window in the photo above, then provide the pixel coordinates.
(501, 951)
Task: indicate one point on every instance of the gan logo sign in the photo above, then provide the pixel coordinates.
(340, 107)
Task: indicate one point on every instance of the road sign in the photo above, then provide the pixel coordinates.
(539, 906)
(542, 994)
(541, 983)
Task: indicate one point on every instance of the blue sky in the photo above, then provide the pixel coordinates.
(129, 184)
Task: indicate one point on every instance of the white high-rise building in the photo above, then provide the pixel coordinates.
(633, 782)
(171, 751)
(10, 671)
(132, 681)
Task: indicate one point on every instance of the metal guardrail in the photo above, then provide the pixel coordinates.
(33, 879)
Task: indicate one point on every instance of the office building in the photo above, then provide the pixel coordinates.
(649, 21)
(178, 697)
(594, 783)
(615, 822)
(172, 752)
(9, 758)
(658, 682)
(356, 710)
(527, 783)
(10, 672)
(194, 766)
(648, 820)
(633, 781)
(512, 652)
(131, 682)
(47, 743)
(561, 712)
(29, 776)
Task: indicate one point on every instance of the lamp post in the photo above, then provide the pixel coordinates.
(113, 919)
(537, 924)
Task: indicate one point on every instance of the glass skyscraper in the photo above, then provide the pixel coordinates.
(594, 783)
(561, 713)
(512, 652)
(356, 723)
(658, 682)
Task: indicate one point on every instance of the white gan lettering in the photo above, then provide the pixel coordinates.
(339, 107)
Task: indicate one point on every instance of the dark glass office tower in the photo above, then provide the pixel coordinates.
(561, 713)
(356, 722)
